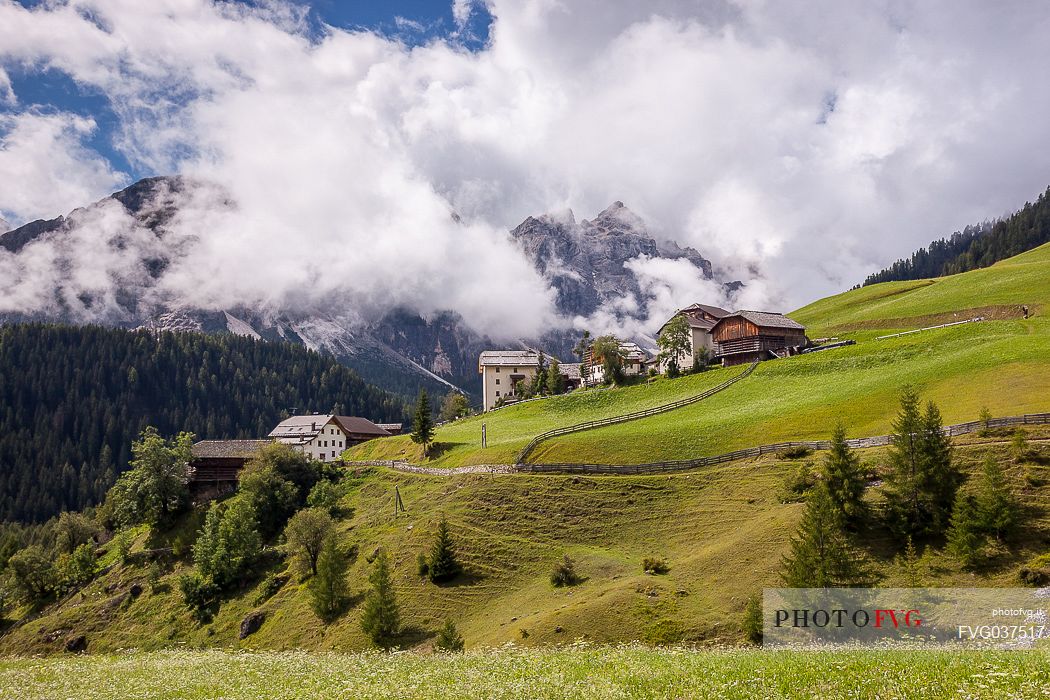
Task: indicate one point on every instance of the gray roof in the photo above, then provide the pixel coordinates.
(301, 427)
(228, 448)
(715, 311)
(570, 370)
(769, 319)
(513, 358)
(631, 351)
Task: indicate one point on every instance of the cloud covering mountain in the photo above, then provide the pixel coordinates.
(797, 145)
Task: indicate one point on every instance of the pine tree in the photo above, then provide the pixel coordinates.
(923, 481)
(449, 639)
(555, 380)
(904, 497)
(965, 538)
(820, 553)
(423, 423)
(381, 619)
(442, 564)
(997, 507)
(328, 587)
(842, 474)
(753, 620)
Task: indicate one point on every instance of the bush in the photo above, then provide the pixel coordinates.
(33, 574)
(1036, 572)
(449, 639)
(797, 484)
(985, 416)
(78, 568)
(794, 452)
(327, 494)
(422, 566)
(198, 594)
(564, 573)
(305, 536)
(1019, 448)
(270, 585)
(655, 566)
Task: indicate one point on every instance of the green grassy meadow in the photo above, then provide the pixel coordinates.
(1002, 364)
(571, 672)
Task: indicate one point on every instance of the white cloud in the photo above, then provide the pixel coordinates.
(45, 165)
(800, 147)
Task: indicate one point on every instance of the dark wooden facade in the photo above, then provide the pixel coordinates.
(746, 337)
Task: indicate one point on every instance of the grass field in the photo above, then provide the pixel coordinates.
(587, 673)
(1002, 363)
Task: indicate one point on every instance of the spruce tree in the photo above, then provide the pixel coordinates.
(997, 507)
(423, 423)
(381, 619)
(449, 639)
(965, 538)
(904, 497)
(942, 479)
(443, 565)
(328, 587)
(820, 553)
(555, 381)
(842, 474)
(753, 620)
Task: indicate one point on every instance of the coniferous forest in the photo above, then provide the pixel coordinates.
(975, 246)
(72, 400)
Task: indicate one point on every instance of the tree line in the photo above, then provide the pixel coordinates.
(976, 246)
(73, 399)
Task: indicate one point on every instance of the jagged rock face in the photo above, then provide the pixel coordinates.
(585, 261)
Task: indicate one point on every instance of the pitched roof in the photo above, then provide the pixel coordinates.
(716, 311)
(360, 426)
(228, 448)
(570, 369)
(514, 358)
(300, 427)
(769, 319)
(631, 351)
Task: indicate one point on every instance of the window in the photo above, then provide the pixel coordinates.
(497, 381)
(333, 455)
(497, 370)
(497, 393)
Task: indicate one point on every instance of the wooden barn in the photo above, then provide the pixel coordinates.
(749, 336)
(216, 464)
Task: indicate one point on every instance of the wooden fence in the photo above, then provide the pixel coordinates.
(590, 425)
(857, 443)
(931, 328)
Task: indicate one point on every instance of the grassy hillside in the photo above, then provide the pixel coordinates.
(723, 532)
(585, 673)
(1002, 363)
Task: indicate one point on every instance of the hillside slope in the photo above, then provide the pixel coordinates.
(1002, 364)
(721, 530)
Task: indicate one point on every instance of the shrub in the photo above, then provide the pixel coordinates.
(655, 566)
(73, 530)
(985, 416)
(422, 566)
(326, 494)
(449, 639)
(1019, 448)
(197, 593)
(270, 585)
(794, 452)
(1036, 572)
(33, 574)
(564, 573)
(797, 484)
(78, 568)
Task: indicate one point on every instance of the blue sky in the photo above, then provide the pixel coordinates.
(411, 21)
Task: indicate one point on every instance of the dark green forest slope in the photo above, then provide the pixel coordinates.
(72, 400)
(975, 246)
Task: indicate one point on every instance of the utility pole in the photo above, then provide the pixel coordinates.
(484, 437)
(399, 505)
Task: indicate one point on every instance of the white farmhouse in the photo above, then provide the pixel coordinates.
(634, 364)
(501, 370)
(325, 437)
(702, 318)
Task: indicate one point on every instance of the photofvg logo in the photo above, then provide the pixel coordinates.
(879, 617)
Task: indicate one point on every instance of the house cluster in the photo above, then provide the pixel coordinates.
(216, 463)
(716, 335)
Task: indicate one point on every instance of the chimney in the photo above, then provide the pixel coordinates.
(313, 427)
